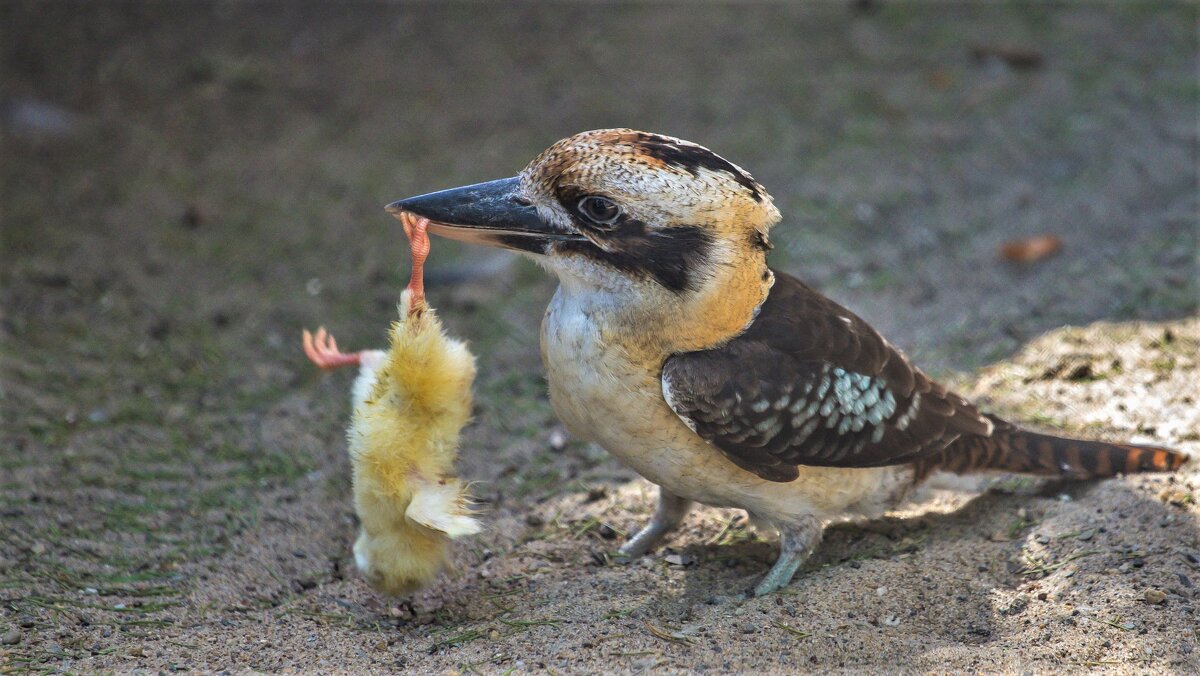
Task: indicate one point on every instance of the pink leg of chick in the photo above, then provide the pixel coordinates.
(322, 349)
(418, 242)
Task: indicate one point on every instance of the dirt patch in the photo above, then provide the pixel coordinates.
(184, 188)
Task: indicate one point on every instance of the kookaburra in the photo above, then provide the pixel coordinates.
(672, 344)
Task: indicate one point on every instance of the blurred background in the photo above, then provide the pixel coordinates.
(187, 185)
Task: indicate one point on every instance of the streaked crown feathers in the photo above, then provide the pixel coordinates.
(659, 179)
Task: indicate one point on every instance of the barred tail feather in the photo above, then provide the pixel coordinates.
(1012, 449)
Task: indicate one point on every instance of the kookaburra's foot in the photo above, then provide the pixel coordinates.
(796, 543)
(322, 350)
(668, 516)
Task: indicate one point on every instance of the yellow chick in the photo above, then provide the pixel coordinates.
(410, 403)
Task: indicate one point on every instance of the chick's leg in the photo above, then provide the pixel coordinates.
(322, 350)
(668, 516)
(418, 242)
(796, 542)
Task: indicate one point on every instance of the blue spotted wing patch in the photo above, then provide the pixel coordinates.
(771, 420)
(809, 383)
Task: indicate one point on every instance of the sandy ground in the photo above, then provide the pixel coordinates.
(184, 188)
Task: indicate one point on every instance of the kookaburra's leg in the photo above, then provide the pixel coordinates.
(668, 516)
(796, 543)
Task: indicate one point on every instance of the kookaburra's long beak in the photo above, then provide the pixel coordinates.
(491, 213)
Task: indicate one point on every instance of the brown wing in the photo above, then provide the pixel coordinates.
(809, 383)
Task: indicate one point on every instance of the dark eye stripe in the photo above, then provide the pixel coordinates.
(572, 198)
(674, 257)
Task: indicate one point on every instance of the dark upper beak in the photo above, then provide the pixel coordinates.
(491, 213)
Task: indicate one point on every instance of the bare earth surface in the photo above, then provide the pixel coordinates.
(185, 187)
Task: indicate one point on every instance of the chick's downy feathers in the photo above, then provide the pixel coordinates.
(410, 402)
(403, 440)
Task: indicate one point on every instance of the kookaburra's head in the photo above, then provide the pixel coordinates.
(656, 221)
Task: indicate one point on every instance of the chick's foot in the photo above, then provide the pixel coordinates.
(322, 350)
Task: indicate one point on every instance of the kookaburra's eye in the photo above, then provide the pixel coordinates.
(599, 210)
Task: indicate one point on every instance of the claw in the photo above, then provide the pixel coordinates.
(667, 517)
(406, 221)
(796, 543)
(322, 350)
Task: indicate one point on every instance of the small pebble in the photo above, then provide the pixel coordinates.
(1018, 606)
(1155, 596)
(11, 637)
(881, 591)
(892, 621)
(679, 559)
(1043, 539)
